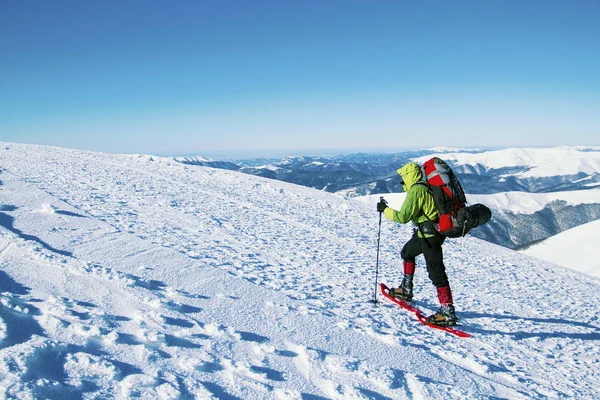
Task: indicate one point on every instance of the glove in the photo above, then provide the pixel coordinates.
(382, 205)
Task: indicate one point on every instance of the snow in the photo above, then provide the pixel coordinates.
(136, 277)
(538, 162)
(447, 149)
(570, 249)
(529, 203)
(268, 167)
(193, 159)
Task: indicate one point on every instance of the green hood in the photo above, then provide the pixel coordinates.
(411, 174)
(418, 206)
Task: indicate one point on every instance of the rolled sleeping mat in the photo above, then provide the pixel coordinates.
(473, 216)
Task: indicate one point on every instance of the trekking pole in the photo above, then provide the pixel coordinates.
(374, 301)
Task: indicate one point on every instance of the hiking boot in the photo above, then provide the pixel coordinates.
(398, 293)
(405, 291)
(444, 317)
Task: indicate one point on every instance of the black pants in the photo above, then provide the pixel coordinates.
(431, 248)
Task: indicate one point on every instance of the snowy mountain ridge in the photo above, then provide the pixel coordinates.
(533, 162)
(523, 169)
(135, 276)
(529, 203)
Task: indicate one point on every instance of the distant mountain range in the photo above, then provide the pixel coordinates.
(526, 170)
(360, 173)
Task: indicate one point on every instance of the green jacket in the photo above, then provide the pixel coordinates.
(418, 206)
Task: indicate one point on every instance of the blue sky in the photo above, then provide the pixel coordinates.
(220, 77)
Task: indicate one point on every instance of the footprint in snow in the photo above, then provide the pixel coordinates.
(252, 337)
(57, 370)
(82, 319)
(17, 324)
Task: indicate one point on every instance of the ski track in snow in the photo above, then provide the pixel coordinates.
(123, 276)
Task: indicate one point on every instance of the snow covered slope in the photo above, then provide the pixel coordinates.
(572, 248)
(128, 276)
(534, 162)
(529, 203)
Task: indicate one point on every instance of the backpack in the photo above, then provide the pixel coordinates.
(456, 218)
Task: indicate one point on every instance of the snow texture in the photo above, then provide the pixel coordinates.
(139, 277)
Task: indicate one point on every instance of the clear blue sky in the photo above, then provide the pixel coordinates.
(218, 76)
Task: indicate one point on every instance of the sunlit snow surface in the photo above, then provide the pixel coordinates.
(536, 162)
(571, 249)
(126, 276)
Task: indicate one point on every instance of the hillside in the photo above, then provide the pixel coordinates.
(135, 276)
(521, 218)
(533, 162)
(569, 249)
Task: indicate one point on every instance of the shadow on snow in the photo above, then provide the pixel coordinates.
(8, 222)
(543, 335)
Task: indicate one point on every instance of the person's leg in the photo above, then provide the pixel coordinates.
(411, 249)
(434, 258)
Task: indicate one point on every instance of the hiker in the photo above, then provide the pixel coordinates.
(419, 207)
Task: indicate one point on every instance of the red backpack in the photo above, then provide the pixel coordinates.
(456, 219)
